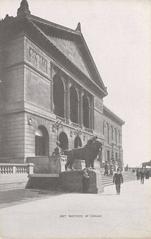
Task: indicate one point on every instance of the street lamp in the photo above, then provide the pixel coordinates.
(56, 127)
(113, 161)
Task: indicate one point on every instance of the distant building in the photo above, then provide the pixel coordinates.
(50, 89)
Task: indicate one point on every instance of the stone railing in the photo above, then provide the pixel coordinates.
(88, 130)
(76, 125)
(8, 168)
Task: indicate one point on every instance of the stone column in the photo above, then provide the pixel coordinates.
(91, 110)
(51, 96)
(79, 106)
(93, 113)
(67, 100)
(52, 74)
(81, 93)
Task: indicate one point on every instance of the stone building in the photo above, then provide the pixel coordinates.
(50, 90)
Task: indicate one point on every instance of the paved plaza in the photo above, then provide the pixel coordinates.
(34, 214)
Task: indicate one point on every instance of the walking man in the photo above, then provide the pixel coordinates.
(117, 180)
(142, 175)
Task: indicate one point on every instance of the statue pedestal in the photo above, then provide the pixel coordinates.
(79, 164)
(72, 181)
(48, 165)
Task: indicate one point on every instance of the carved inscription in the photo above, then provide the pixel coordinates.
(37, 60)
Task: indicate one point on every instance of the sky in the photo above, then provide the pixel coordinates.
(118, 34)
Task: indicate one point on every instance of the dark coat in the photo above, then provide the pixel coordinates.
(117, 178)
(142, 174)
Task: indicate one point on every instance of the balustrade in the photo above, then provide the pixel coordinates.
(7, 168)
(89, 130)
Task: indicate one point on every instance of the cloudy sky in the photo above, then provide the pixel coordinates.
(118, 34)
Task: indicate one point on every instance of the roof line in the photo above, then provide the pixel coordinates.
(113, 114)
(93, 62)
(52, 24)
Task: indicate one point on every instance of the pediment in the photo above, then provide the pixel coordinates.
(71, 51)
(72, 45)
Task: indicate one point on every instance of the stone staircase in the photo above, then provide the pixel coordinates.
(108, 180)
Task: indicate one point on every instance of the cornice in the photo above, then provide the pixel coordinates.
(112, 116)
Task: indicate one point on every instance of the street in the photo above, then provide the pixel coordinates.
(106, 215)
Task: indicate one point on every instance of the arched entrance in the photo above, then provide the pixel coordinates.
(63, 139)
(41, 142)
(86, 113)
(58, 96)
(77, 142)
(73, 105)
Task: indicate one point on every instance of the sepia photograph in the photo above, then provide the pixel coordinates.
(75, 119)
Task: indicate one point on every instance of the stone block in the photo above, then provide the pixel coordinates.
(45, 182)
(72, 181)
(45, 165)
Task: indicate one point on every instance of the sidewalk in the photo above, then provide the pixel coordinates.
(105, 215)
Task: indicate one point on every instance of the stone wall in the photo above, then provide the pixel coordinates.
(98, 116)
(13, 53)
(112, 144)
(13, 137)
(71, 181)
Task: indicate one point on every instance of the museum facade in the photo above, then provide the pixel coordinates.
(50, 90)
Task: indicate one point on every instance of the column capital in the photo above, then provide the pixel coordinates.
(68, 83)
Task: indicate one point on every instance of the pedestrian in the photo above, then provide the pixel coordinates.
(147, 174)
(137, 174)
(106, 169)
(117, 180)
(111, 170)
(85, 180)
(142, 175)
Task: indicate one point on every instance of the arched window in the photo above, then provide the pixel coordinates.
(77, 142)
(86, 112)
(63, 139)
(73, 105)
(58, 96)
(41, 142)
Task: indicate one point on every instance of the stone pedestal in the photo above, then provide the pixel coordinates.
(79, 164)
(71, 181)
(46, 165)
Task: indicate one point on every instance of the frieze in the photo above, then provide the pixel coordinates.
(37, 60)
(36, 57)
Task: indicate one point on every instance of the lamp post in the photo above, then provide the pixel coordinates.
(113, 161)
(56, 126)
(120, 163)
